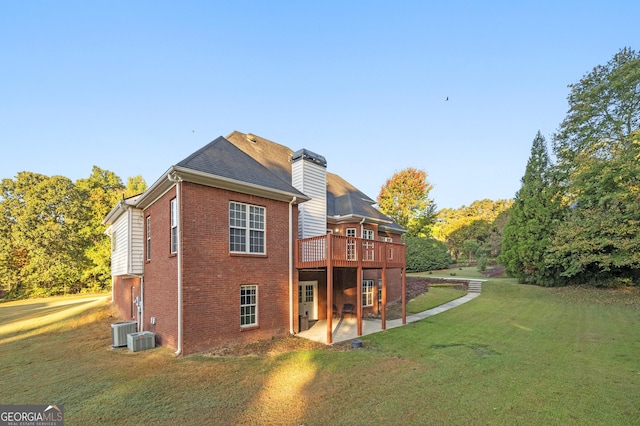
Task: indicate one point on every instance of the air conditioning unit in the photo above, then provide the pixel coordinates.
(119, 332)
(141, 341)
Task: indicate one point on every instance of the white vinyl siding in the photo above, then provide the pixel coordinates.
(127, 235)
(136, 262)
(311, 179)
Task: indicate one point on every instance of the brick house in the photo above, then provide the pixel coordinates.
(243, 237)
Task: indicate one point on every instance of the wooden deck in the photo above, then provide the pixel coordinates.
(338, 251)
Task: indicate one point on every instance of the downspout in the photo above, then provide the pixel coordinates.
(142, 302)
(176, 180)
(291, 330)
(362, 227)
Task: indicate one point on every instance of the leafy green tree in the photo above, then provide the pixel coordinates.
(470, 247)
(426, 254)
(599, 240)
(42, 251)
(597, 151)
(604, 111)
(135, 185)
(101, 191)
(493, 246)
(51, 233)
(405, 198)
(473, 222)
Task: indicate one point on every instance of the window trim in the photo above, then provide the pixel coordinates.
(367, 293)
(114, 243)
(249, 230)
(254, 314)
(352, 250)
(173, 232)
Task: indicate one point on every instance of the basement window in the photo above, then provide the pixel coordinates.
(248, 305)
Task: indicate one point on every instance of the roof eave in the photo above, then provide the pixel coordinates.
(163, 184)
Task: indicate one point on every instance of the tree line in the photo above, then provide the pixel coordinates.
(52, 239)
(576, 217)
(435, 239)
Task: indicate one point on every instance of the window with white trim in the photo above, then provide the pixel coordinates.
(148, 238)
(380, 292)
(174, 226)
(248, 305)
(114, 243)
(369, 253)
(367, 292)
(351, 244)
(246, 228)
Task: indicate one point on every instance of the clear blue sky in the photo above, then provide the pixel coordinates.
(136, 86)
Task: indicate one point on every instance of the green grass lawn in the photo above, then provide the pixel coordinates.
(451, 273)
(515, 355)
(436, 296)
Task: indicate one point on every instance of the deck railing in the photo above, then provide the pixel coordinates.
(349, 252)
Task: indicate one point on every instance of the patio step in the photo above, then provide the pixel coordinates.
(475, 286)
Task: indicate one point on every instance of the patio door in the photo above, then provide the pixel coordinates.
(308, 299)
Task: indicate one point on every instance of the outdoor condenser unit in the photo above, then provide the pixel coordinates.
(119, 332)
(141, 341)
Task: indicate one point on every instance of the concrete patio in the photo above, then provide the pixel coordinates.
(347, 328)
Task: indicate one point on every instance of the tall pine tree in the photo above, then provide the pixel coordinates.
(531, 220)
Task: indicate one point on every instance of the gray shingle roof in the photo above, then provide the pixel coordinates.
(343, 199)
(222, 158)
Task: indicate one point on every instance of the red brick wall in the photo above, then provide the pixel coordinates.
(211, 276)
(123, 298)
(161, 275)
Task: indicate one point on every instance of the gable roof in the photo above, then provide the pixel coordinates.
(344, 201)
(221, 164)
(222, 158)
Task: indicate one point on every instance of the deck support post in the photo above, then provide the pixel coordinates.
(329, 292)
(383, 308)
(404, 296)
(359, 299)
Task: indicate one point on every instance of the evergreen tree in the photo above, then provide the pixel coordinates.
(531, 220)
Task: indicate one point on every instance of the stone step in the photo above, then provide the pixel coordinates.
(475, 286)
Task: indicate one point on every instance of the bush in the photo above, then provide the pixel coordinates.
(426, 254)
(482, 264)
